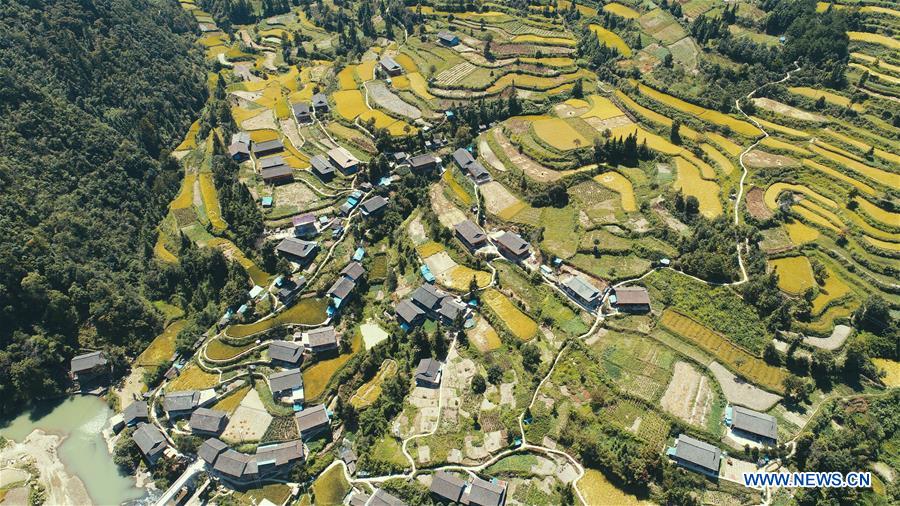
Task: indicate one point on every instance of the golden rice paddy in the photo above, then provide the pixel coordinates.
(833, 289)
(558, 133)
(881, 176)
(715, 117)
(881, 215)
(515, 320)
(800, 233)
(772, 192)
(891, 370)
(874, 38)
(211, 201)
(621, 185)
(547, 41)
(601, 107)
(688, 180)
(863, 187)
(621, 10)
(655, 117)
(794, 274)
(611, 39)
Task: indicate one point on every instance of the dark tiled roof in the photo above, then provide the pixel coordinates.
(427, 297)
(88, 361)
(374, 204)
(477, 171)
(286, 351)
(448, 486)
(136, 410)
(698, 452)
(322, 336)
(472, 233)
(341, 288)
(279, 454)
(208, 420)
(422, 160)
(181, 401)
(428, 370)
(382, 498)
(485, 493)
(321, 165)
(632, 295)
(285, 380)
(754, 422)
(450, 309)
(276, 172)
(342, 157)
(407, 311)
(273, 145)
(300, 108)
(353, 271)
(235, 464)
(271, 161)
(312, 418)
(582, 288)
(447, 36)
(319, 100)
(149, 440)
(296, 247)
(210, 449)
(463, 158)
(513, 242)
(390, 64)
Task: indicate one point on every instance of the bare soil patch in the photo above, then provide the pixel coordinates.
(249, 421)
(756, 206)
(387, 100)
(739, 391)
(295, 194)
(497, 197)
(448, 214)
(264, 120)
(688, 395)
(786, 110)
(759, 159)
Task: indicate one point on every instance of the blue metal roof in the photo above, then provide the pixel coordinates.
(426, 273)
(359, 254)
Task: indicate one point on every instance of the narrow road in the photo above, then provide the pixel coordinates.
(193, 469)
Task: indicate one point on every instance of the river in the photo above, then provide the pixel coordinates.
(84, 453)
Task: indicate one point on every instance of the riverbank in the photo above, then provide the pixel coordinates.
(41, 450)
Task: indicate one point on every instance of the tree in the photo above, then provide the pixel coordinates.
(674, 133)
(494, 374)
(126, 453)
(531, 357)
(771, 354)
(796, 389)
(478, 384)
(578, 89)
(875, 315)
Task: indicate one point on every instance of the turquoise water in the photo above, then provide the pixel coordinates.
(84, 452)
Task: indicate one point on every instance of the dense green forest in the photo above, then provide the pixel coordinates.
(92, 92)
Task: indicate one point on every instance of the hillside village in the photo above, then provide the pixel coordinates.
(513, 253)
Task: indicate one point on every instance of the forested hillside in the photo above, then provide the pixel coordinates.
(92, 93)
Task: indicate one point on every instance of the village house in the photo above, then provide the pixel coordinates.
(297, 250)
(320, 340)
(312, 421)
(513, 247)
(425, 162)
(696, 455)
(469, 165)
(582, 291)
(349, 457)
(374, 206)
(285, 353)
(210, 422)
(630, 299)
(210, 450)
(88, 365)
(378, 498)
(343, 160)
(279, 174)
(754, 425)
(302, 112)
(322, 168)
(437, 304)
(447, 487)
(150, 441)
(287, 385)
(390, 66)
(353, 271)
(471, 235)
(236, 467)
(135, 413)
(181, 404)
(305, 225)
(320, 102)
(408, 314)
(486, 493)
(270, 460)
(448, 39)
(261, 149)
(428, 373)
(290, 289)
(239, 149)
